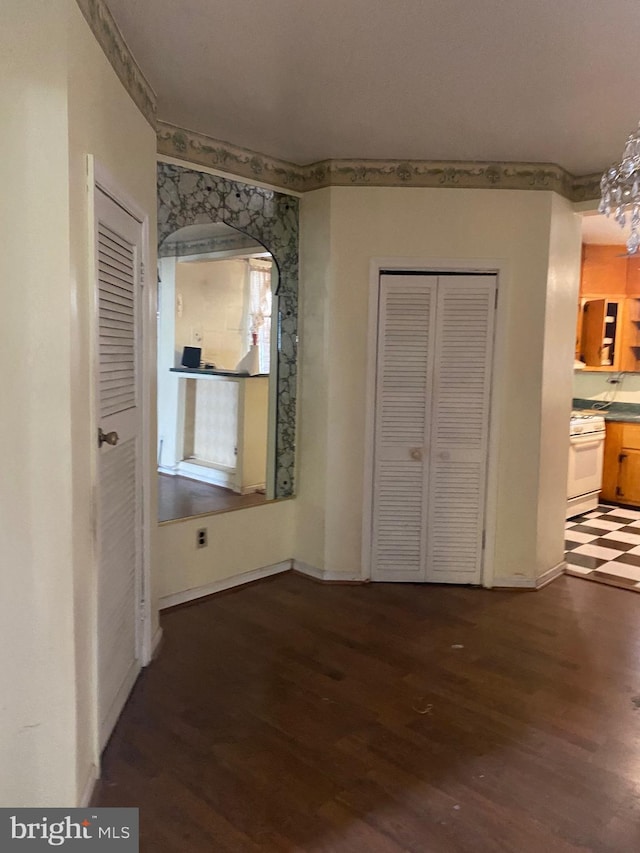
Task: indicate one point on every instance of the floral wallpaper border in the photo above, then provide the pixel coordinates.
(205, 245)
(205, 151)
(110, 39)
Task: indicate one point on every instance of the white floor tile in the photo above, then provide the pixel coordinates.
(578, 569)
(604, 524)
(624, 513)
(598, 551)
(593, 514)
(634, 550)
(634, 524)
(621, 570)
(620, 535)
(576, 536)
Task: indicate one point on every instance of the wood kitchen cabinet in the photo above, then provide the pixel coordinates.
(621, 474)
(608, 328)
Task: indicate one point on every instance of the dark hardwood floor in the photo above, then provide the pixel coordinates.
(295, 716)
(180, 497)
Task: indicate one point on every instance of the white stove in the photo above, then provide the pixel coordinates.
(586, 456)
(585, 422)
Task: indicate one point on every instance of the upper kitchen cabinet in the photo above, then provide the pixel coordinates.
(608, 329)
(604, 270)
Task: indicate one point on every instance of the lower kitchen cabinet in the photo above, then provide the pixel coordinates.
(621, 474)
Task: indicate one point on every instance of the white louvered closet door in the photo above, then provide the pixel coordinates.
(119, 523)
(433, 383)
(406, 344)
(460, 428)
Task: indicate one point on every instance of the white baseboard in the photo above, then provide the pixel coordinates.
(207, 474)
(166, 469)
(87, 791)
(256, 487)
(514, 582)
(155, 643)
(551, 574)
(323, 574)
(225, 583)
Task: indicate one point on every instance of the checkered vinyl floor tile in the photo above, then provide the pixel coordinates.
(604, 545)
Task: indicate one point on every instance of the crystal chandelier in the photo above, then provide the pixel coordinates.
(620, 187)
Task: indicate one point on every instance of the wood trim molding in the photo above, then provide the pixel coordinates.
(110, 39)
(325, 576)
(551, 574)
(87, 791)
(188, 595)
(244, 163)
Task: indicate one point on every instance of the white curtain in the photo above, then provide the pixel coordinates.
(260, 309)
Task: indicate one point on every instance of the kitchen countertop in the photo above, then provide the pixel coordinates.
(201, 371)
(614, 412)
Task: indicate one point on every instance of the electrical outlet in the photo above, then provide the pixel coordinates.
(202, 539)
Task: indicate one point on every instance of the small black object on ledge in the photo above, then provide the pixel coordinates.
(191, 356)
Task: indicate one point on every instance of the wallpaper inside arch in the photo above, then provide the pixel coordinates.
(189, 197)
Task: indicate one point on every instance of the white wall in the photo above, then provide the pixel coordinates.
(313, 377)
(59, 101)
(556, 391)
(214, 310)
(594, 386)
(352, 225)
(168, 389)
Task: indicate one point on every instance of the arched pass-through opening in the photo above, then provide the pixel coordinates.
(188, 197)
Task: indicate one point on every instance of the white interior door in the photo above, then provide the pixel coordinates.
(433, 385)
(119, 528)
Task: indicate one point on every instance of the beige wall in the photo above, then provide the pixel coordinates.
(353, 225)
(37, 709)
(105, 122)
(239, 542)
(214, 295)
(60, 101)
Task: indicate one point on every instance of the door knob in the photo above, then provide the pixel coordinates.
(416, 453)
(107, 437)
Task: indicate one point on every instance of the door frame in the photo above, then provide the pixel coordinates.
(98, 177)
(502, 270)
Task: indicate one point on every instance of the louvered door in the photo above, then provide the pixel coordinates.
(406, 343)
(460, 428)
(118, 253)
(433, 384)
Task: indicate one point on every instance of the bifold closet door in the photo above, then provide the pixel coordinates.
(404, 379)
(460, 428)
(433, 383)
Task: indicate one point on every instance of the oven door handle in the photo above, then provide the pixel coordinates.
(584, 441)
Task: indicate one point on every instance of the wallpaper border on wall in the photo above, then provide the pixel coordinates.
(189, 197)
(203, 150)
(110, 39)
(206, 245)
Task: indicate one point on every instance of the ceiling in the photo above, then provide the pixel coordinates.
(307, 80)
